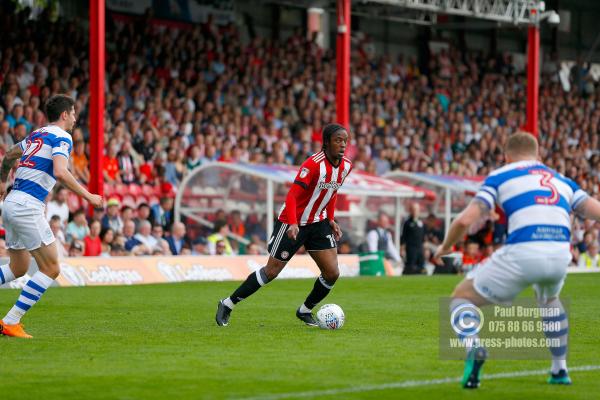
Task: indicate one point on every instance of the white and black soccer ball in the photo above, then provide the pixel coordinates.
(330, 316)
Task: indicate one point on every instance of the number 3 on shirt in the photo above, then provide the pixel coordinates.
(34, 145)
(545, 182)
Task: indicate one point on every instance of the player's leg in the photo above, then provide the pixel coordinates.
(18, 255)
(327, 262)
(465, 297)
(16, 267)
(46, 258)
(464, 304)
(465, 290)
(33, 231)
(281, 249)
(556, 329)
(555, 324)
(499, 280)
(322, 247)
(255, 281)
(464, 314)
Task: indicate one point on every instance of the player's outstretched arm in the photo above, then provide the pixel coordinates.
(589, 209)
(64, 176)
(476, 210)
(7, 163)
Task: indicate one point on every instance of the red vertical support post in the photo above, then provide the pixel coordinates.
(342, 52)
(343, 63)
(533, 79)
(96, 106)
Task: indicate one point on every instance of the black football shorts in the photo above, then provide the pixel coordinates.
(317, 236)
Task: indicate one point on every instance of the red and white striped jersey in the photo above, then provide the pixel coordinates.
(320, 181)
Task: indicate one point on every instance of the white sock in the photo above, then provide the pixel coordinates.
(557, 365)
(31, 293)
(6, 274)
(304, 309)
(229, 303)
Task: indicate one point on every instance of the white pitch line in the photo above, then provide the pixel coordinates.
(407, 384)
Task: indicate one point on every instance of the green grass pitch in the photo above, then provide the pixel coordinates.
(161, 342)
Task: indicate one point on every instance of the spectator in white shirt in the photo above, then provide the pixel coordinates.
(56, 228)
(380, 239)
(144, 236)
(58, 206)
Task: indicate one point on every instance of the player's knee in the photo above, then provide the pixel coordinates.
(272, 270)
(463, 290)
(331, 275)
(19, 270)
(271, 273)
(456, 293)
(19, 273)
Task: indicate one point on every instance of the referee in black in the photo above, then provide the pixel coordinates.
(412, 241)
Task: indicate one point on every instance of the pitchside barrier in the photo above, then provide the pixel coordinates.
(102, 271)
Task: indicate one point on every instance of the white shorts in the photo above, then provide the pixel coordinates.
(25, 223)
(514, 267)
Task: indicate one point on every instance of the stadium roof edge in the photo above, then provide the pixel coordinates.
(261, 171)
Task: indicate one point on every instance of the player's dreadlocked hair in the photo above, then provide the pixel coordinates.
(328, 131)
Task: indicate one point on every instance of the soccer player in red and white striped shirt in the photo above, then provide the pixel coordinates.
(306, 219)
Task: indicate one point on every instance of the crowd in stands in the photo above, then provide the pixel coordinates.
(178, 98)
(120, 230)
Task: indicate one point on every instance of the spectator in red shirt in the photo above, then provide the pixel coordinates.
(110, 166)
(471, 255)
(146, 173)
(237, 224)
(93, 244)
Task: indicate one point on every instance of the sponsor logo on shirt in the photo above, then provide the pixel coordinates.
(329, 185)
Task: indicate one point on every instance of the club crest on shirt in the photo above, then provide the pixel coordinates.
(64, 146)
(304, 173)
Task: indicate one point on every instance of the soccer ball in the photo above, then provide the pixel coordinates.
(330, 316)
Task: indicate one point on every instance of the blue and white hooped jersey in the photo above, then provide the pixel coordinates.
(35, 171)
(537, 201)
